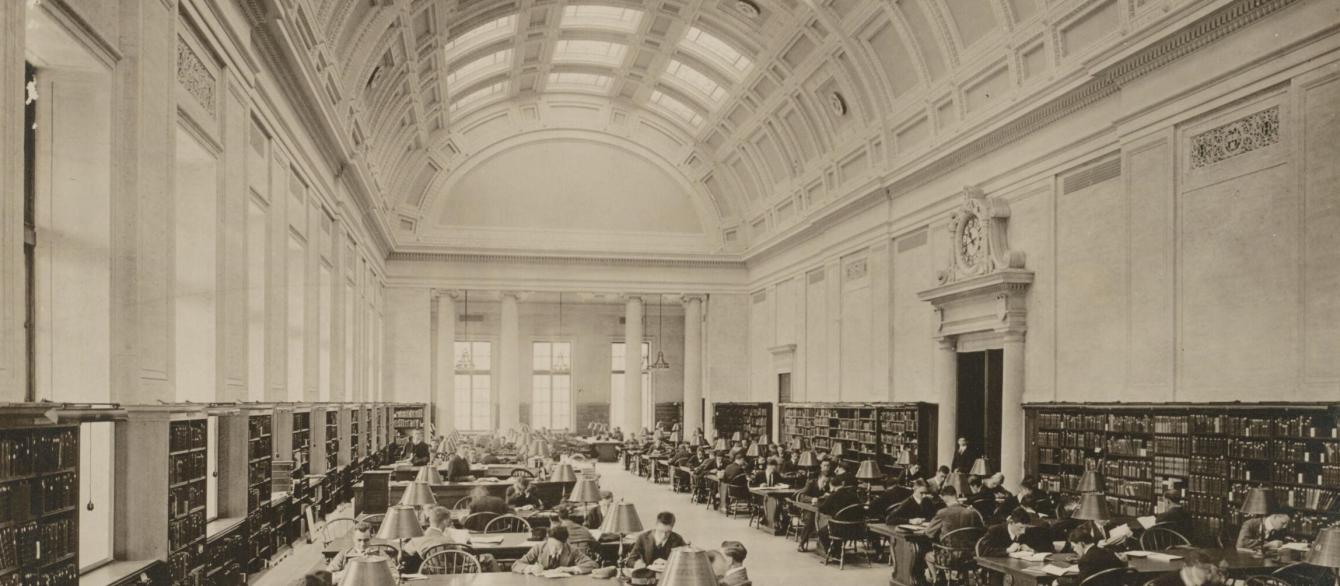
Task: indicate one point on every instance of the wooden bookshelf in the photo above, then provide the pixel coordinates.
(1212, 453)
(406, 417)
(669, 414)
(894, 434)
(752, 419)
(356, 429)
(39, 494)
(331, 415)
(302, 441)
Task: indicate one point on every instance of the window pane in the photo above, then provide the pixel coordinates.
(462, 390)
(460, 349)
(481, 384)
(482, 420)
(617, 354)
(95, 486)
(541, 357)
(212, 465)
(483, 356)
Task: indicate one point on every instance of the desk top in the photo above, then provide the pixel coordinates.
(773, 492)
(507, 579)
(1233, 559)
(510, 542)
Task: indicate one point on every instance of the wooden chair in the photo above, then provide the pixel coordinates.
(335, 529)
(1268, 581)
(390, 551)
(845, 528)
(1228, 536)
(507, 524)
(462, 504)
(449, 561)
(477, 522)
(522, 473)
(739, 501)
(1158, 538)
(1304, 574)
(955, 554)
(374, 520)
(1108, 577)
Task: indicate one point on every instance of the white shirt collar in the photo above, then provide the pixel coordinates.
(734, 570)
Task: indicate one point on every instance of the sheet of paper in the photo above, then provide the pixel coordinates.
(910, 527)
(1028, 555)
(1139, 553)
(555, 574)
(1299, 546)
(1059, 571)
(494, 539)
(1164, 557)
(459, 535)
(1034, 571)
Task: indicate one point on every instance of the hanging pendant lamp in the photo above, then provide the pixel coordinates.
(467, 361)
(661, 363)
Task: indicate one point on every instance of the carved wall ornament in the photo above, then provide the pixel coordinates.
(195, 76)
(856, 270)
(978, 232)
(1241, 136)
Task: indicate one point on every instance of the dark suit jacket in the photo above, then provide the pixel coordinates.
(645, 548)
(1176, 518)
(998, 540)
(963, 460)
(985, 503)
(952, 518)
(489, 504)
(762, 478)
(1254, 535)
(839, 499)
(457, 469)
(418, 454)
(1096, 560)
(517, 499)
(732, 473)
(910, 509)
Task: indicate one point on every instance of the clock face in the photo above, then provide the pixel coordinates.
(972, 242)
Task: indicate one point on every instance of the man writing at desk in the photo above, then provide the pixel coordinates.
(554, 554)
(417, 451)
(655, 544)
(1016, 534)
(520, 495)
(917, 508)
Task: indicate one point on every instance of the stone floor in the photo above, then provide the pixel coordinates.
(772, 561)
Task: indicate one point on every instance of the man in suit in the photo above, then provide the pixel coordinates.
(554, 554)
(1083, 542)
(769, 476)
(964, 456)
(953, 516)
(917, 507)
(655, 544)
(1261, 533)
(1004, 501)
(458, 467)
(980, 498)
(482, 502)
(938, 481)
(597, 515)
(844, 495)
(735, 575)
(417, 451)
(521, 494)
(1015, 534)
(439, 520)
(1035, 500)
(735, 470)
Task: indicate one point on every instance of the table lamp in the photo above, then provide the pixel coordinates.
(1325, 550)
(752, 452)
(372, 570)
(1259, 501)
(979, 468)
(1092, 482)
(868, 471)
(401, 524)
(721, 445)
(736, 437)
(1093, 507)
(428, 474)
(688, 566)
(806, 460)
(418, 494)
(623, 520)
(586, 491)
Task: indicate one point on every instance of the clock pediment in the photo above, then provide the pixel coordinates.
(979, 229)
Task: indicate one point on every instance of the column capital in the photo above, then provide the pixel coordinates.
(1012, 336)
(517, 295)
(632, 297)
(452, 294)
(687, 298)
(949, 343)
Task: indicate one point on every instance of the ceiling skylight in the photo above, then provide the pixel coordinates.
(574, 80)
(605, 53)
(696, 81)
(481, 35)
(676, 109)
(719, 52)
(595, 16)
(475, 70)
(478, 97)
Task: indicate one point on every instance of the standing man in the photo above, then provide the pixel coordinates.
(964, 456)
(417, 451)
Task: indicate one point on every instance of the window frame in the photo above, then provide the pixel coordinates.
(552, 375)
(471, 375)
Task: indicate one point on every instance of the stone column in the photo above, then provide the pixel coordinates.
(443, 395)
(946, 380)
(632, 384)
(1012, 410)
(509, 363)
(693, 364)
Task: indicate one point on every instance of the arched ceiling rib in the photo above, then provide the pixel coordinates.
(768, 109)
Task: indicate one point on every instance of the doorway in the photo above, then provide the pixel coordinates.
(979, 402)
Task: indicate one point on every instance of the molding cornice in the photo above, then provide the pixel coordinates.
(697, 261)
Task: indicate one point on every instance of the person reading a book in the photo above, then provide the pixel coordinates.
(1091, 559)
(554, 555)
(916, 509)
(769, 476)
(655, 545)
(1261, 533)
(417, 452)
(362, 542)
(1015, 535)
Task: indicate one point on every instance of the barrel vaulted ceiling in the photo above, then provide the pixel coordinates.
(669, 127)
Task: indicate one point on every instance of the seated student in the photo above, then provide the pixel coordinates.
(521, 494)
(1261, 533)
(736, 472)
(458, 467)
(835, 505)
(416, 451)
(655, 544)
(578, 536)
(810, 493)
(979, 498)
(1034, 499)
(362, 538)
(683, 455)
(1171, 516)
(595, 517)
(938, 481)
(912, 473)
(1083, 542)
(489, 458)
(735, 574)
(768, 476)
(710, 465)
(554, 554)
(1198, 569)
(439, 520)
(954, 516)
(483, 502)
(318, 578)
(1015, 534)
(918, 507)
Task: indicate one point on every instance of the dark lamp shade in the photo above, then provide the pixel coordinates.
(1092, 482)
(429, 474)
(869, 470)
(623, 519)
(1093, 507)
(563, 473)
(688, 566)
(1325, 551)
(586, 491)
(418, 494)
(1260, 501)
(368, 571)
(806, 459)
(959, 481)
(401, 523)
(979, 467)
